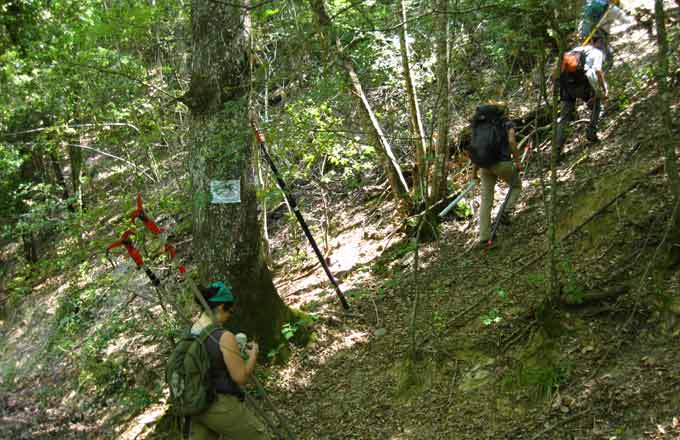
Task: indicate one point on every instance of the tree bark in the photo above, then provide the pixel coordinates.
(228, 237)
(370, 121)
(30, 173)
(420, 171)
(663, 97)
(553, 283)
(59, 176)
(441, 140)
(262, 177)
(76, 159)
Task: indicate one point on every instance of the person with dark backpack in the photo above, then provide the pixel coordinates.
(205, 372)
(581, 77)
(492, 149)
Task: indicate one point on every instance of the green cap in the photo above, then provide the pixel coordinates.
(223, 295)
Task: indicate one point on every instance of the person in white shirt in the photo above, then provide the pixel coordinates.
(602, 14)
(587, 83)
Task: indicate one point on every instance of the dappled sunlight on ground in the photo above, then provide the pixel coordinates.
(143, 424)
(355, 247)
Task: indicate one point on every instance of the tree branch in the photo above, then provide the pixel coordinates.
(103, 124)
(113, 156)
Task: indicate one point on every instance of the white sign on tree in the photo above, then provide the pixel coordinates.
(225, 191)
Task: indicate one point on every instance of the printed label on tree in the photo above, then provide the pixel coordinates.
(228, 191)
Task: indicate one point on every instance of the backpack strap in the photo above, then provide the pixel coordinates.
(206, 332)
(584, 57)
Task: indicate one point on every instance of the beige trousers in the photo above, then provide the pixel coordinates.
(227, 416)
(506, 171)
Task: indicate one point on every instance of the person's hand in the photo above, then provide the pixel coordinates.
(253, 349)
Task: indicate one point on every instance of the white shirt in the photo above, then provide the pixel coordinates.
(594, 60)
(594, 57)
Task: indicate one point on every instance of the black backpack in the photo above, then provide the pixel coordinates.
(489, 136)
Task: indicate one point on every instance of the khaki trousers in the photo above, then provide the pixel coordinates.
(506, 171)
(228, 416)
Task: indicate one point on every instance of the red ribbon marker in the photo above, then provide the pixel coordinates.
(141, 214)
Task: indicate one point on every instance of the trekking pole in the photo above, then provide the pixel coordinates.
(293, 206)
(283, 422)
(494, 229)
(496, 222)
(462, 194)
(260, 389)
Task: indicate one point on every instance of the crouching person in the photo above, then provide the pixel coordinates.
(581, 77)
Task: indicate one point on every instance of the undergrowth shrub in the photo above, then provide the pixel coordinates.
(540, 371)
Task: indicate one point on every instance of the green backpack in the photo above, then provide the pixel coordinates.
(187, 374)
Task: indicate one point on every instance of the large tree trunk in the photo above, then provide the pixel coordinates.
(369, 120)
(227, 240)
(664, 104)
(420, 172)
(664, 98)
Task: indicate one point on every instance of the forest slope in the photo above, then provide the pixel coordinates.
(490, 366)
(489, 363)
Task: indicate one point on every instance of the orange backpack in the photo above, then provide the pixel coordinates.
(573, 62)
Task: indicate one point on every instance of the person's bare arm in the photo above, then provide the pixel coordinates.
(239, 370)
(512, 141)
(603, 83)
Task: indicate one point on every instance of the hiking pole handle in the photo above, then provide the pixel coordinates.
(242, 341)
(258, 134)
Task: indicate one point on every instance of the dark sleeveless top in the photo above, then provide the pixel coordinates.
(219, 374)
